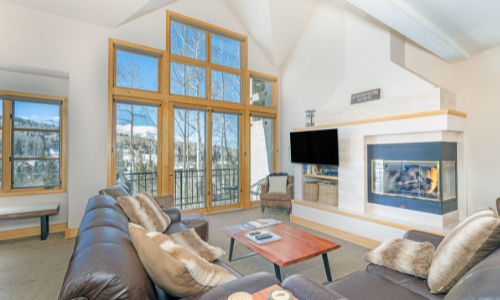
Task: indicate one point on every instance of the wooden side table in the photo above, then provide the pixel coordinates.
(264, 294)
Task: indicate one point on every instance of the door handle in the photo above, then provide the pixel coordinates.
(171, 174)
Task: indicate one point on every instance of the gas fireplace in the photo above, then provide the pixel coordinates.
(416, 176)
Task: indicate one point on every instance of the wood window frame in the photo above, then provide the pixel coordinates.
(167, 100)
(263, 111)
(7, 139)
(208, 65)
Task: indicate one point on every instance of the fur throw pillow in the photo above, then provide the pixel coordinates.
(173, 268)
(142, 209)
(463, 248)
(405, 256)
(192, 242)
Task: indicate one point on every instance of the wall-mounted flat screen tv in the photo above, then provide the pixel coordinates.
(315, 147)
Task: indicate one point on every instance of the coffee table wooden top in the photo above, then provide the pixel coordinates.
(295, 245)
(264, 294)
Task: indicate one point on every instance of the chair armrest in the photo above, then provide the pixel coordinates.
(173, 213)
(166, 201)
(289, 190)
(420, 236)
(264, 188)
(250, 284)
(304, 288)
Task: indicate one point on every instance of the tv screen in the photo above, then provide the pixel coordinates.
(315, 147)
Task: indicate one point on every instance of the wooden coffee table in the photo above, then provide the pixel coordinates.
(295, 246)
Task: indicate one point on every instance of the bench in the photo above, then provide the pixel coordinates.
(31, 211)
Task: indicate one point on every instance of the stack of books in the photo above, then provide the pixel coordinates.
(253, 238)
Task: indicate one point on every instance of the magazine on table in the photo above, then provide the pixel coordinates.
(256, 224)
(253, 238)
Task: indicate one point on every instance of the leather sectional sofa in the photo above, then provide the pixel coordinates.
(105, 265)
(379, 283)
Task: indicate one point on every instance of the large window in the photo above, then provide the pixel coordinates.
(191, 121)
(33, 145)
(192, 59)
(137, 146)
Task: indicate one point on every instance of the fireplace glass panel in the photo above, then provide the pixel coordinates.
(429, 180)
(449, 180)
(378, 179)
(412, 179)
(392, 174)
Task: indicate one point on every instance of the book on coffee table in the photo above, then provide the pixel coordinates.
(272, 239)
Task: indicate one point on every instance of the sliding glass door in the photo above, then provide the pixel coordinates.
(225, 158)
(261, 153)
(190, 184)
(136, 141)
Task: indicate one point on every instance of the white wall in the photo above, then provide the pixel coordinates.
(342, 51)
(475, 82)
(50, 42)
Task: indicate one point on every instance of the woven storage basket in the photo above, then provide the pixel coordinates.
(329, 193)
(311, 191)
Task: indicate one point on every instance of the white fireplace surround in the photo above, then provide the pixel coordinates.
(353, 141)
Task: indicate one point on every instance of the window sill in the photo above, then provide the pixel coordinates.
(32, 192)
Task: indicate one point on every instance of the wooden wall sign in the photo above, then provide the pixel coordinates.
(365, 96)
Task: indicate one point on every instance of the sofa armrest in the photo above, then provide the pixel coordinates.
(264, 188)
(304, 288)
(250, 284)
(420, 236)
(173, 213)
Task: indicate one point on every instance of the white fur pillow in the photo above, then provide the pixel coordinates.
(142, 209)
(173, 268)
(463, 248)
(405, 256)
(192, 242)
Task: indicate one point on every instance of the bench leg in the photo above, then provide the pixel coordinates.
(44, 220)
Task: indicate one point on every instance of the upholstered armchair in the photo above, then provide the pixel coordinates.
(280, 200)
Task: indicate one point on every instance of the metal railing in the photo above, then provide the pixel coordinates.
(190, 188)
(138, 182)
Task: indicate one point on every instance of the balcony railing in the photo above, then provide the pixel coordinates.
(190, 186)
(138, 182)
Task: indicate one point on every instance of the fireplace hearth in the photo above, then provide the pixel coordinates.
(415, 176)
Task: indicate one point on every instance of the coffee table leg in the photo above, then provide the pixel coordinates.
(231, 250)
(277, 271)
(327, 267)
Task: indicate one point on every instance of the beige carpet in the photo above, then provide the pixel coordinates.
(35, 269)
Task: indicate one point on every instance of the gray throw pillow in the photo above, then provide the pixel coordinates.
(405, 256)
(277, 184)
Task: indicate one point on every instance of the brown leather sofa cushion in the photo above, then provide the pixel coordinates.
(173, 268)
(363, 285)
(481, 282)
(412, 283)
(104, 257)
(114, 192)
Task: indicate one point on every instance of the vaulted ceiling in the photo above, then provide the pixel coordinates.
(451, 29)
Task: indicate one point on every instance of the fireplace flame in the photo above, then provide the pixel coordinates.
(434, 183)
